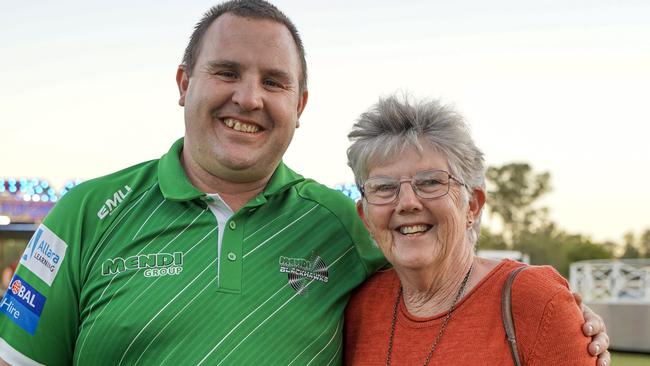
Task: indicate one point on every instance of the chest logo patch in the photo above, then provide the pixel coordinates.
(44, 254)
(301, 272)
(154, 265)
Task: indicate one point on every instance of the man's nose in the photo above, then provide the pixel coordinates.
(248, 95)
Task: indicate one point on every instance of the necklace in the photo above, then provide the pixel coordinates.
(442, 327)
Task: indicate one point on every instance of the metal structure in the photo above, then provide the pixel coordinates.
(618, 290)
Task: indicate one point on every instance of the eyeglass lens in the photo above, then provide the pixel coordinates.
(426, 184)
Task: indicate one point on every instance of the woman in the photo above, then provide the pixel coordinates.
(423, 186)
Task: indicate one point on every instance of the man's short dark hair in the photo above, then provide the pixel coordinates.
(256, 9)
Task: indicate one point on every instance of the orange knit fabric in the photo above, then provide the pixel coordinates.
(547, 321)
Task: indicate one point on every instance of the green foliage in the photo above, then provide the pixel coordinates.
(631, 252)
(584, 249)
(555, 247)
(631, 249)
(490, 240)
(630, 359)
(544, 246)
(513, 192)
(644, 243)
(637, 247)
(513, 196)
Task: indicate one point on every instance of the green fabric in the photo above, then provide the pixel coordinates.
(138, 283)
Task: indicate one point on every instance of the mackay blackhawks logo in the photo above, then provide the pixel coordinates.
(301, 272)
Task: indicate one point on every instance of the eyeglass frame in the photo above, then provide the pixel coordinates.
(413, 187)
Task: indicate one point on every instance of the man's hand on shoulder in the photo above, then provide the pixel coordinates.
(594, 327)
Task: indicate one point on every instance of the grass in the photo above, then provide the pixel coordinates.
(630, 359)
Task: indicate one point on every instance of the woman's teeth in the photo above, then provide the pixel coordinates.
(413, 229)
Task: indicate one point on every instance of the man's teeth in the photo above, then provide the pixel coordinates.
(413, 229)
(240, 126)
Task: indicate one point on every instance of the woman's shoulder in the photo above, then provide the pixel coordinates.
(548, 319)
(540, 283)
(538, 290)
(364, 302)
(384, 281)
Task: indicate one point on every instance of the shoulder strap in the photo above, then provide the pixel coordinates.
(506, 314)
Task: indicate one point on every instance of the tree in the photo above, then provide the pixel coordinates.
(513, 191)
(644, 243)
(490, 240)
(553, 246)
(631, 250)
(544, 246)
(578, 248)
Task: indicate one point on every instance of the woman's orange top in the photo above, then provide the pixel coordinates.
(548, 324)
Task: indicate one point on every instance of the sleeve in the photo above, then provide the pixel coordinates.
(345, 211)
(39, 319)
(553, 326)
(369, 253)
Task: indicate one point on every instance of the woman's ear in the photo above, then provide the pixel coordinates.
(476, 202)
(362, 214)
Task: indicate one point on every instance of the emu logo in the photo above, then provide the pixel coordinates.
(112, 204)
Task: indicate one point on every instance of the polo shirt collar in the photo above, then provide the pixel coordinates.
(281, 180)
(175, 185)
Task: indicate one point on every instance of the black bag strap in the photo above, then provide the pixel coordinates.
(506, 314)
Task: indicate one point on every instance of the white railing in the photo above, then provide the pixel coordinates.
(612, 281)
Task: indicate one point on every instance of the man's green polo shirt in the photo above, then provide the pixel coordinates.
(124, 271)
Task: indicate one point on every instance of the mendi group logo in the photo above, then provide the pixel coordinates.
(301, 272)
(154, 265)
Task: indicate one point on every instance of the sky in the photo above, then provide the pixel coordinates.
(88, 88)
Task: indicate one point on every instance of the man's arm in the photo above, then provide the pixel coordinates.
(39, 315)
(594, 327)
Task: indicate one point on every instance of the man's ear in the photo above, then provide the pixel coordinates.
(302, 102)
(182, 81)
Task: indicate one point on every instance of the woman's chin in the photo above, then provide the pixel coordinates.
(413, 263)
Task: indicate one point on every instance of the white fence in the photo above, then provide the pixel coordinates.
(619, 291)
(608, 281)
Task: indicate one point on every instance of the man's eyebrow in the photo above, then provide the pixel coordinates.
(222, 64)
(279, 74)
(233, 65)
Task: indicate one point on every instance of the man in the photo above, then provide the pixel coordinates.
(216, 254)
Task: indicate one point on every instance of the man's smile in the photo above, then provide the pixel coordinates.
(240, 126)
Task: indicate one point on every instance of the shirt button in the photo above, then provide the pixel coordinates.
(232, 225)
(232, 256)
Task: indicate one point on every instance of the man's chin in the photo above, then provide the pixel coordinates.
(247, 170)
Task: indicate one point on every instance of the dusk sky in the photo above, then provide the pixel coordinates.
(89, 88)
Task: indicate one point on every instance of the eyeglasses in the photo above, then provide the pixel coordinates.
(427, 184)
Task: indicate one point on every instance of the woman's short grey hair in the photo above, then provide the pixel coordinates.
(396, 123)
